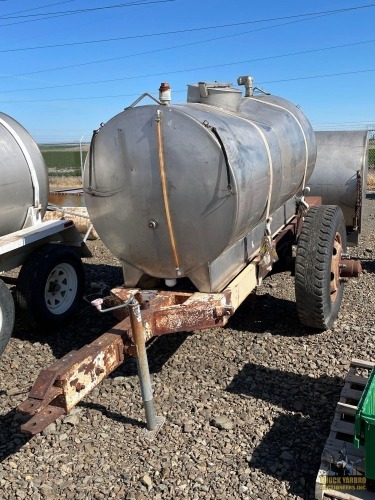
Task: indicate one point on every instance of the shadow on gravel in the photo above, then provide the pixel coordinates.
(159, 351)
(265, 313)
(11, 439)
(112, 415)
(368, 265)
(102, 276)
(87, 324)
(291, 450)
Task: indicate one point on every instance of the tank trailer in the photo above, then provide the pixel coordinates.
(200, 201)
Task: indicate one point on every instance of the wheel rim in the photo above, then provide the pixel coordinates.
(335, 266)
(61, 288)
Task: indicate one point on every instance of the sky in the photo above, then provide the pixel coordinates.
(67, 66)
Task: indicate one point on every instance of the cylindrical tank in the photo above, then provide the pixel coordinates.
(24, 178)
(340, 173)
(170, 188)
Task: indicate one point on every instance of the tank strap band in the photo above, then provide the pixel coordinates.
(269, 156)
(302, 131)
(30, 164)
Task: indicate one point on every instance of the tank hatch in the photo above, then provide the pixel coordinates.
(220, 95)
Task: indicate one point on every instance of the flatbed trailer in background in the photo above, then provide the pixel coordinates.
(50, 283)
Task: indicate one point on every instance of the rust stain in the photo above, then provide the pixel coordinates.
(74, 382)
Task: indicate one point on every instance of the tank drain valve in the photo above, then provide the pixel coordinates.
(153, 224)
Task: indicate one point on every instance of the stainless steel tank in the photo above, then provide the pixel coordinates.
(24, 178)
(340, 174)
(170, 189)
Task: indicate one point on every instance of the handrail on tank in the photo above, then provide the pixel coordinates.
(146, 94)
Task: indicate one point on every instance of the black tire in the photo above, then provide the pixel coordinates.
(317, 274)
(6, 315)
(50, 287)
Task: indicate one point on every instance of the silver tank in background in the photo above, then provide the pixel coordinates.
(185, 189)
(24, 178)
(340, 174)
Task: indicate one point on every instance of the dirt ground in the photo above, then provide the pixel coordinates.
(73, 182)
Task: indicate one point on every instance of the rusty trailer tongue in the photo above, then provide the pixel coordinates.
(65, 383)
(58, 389)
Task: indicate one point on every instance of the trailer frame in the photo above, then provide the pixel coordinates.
(142, 315)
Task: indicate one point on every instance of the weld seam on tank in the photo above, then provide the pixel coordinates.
(29, 162)
(300, 126)
(165, 192)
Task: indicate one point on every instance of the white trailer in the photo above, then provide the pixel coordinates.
(50, 283)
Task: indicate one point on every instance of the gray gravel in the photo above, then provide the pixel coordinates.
(248, 407)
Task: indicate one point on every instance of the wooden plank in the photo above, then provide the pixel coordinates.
(341, 495)
(339, 425)
(351, 394)
(356, 379)
(242, 285)
(360, 363)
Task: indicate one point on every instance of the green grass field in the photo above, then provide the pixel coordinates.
(63, 159)
(371, 154)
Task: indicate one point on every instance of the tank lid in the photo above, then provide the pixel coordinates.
(221, 95)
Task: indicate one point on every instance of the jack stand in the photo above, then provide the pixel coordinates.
(153, 423)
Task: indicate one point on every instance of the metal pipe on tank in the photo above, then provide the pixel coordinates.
(165, 93)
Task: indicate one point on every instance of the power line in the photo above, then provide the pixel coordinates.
(76, 11)
(319, 76)
(190, 30)
(45, 16)
(36, 8)
(291, 54)
(179, 91)
(162, 49)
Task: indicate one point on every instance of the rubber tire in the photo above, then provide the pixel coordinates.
(6, 315)
(313, 266)
(31, 286)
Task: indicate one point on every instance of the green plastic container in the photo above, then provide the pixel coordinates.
(364, 427)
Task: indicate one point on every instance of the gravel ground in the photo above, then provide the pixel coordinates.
(268, 383)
